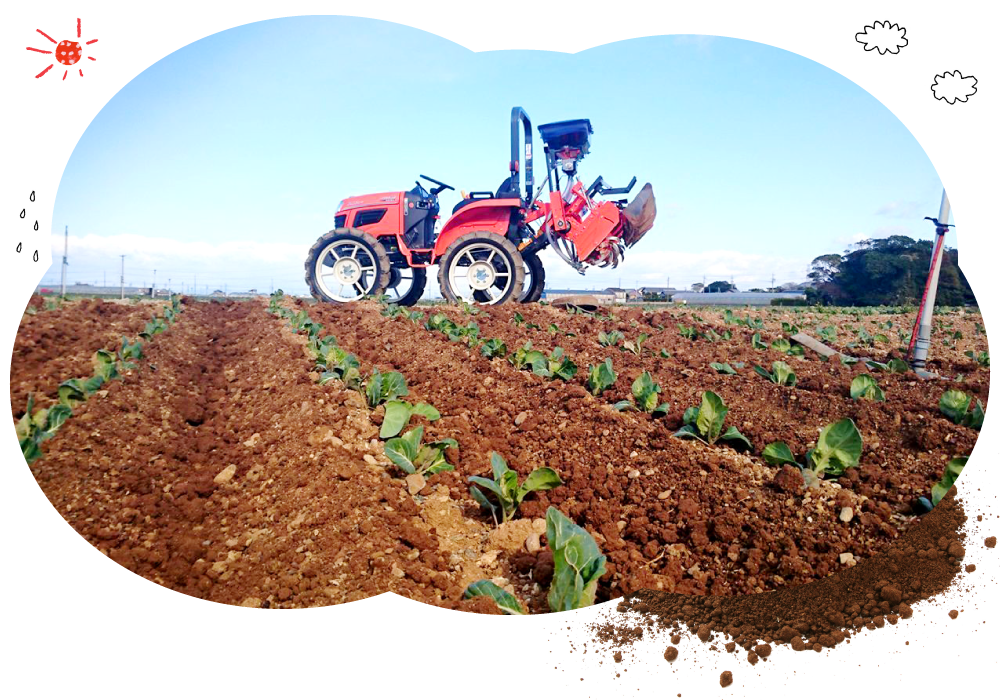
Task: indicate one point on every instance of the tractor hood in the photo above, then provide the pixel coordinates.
(639, 215)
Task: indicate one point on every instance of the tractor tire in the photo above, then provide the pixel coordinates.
(416, 290)
(368, 276)
(532, 291)
(500, 281)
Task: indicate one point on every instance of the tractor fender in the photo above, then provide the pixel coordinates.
(483, 215)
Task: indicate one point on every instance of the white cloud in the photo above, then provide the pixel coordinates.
(954, 87)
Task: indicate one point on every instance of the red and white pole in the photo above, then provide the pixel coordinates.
(920, 340)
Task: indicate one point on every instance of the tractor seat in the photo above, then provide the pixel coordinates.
(503, 192)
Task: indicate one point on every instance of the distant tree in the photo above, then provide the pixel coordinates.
(890, 271)
(721, 286)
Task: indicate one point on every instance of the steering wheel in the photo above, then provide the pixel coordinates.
(441, 186)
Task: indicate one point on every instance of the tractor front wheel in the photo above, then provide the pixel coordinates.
(482, 262)
(347, 265)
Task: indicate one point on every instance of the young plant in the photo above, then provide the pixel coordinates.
(758, 344)
(864, 386)
(504, 600)
(895, 365)
(525, 357)
(647, 396)
(398, 413)
(494, 347)
(128, 352)
(600, 377)
(705, 422)
(722, 367)
(607, 340)
(35, 427)
(951, 474)
(153, 327)
(105, 366)
(556, 366)
(837, 449)
(408, 454)
(577, 563)
(957, 406)
(982, 357)
(780, 374)
(635, 347)
(506, 490)
(689, 332)
(337, 363)
(380, 388)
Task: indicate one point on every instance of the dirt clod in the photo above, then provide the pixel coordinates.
(726, 679)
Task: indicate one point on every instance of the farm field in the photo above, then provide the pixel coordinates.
(222, 467)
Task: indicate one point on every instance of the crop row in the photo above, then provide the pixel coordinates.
(37, 426)
(577, 561)
(837, 449)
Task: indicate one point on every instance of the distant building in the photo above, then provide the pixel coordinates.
(733, 298)
(602, 296)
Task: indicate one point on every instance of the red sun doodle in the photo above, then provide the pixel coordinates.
(67, 52)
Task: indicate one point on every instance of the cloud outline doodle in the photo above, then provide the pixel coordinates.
(885, 36)
(949, 85)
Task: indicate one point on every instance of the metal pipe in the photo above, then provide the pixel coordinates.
(925, 315)
(65, 261)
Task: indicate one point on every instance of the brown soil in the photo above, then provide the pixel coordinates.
(824, 613)
(230, 475)
(674, 515)
(59, 344)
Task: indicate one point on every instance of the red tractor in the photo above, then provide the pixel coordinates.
(487, 252)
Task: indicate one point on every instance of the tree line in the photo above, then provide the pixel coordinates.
(886, 271)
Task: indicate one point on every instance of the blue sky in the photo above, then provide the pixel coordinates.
(227, 158)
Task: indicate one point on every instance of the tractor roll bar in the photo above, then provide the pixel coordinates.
(518, 117)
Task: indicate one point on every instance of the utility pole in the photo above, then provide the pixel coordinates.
(123, 277)
(65, 261)
(105, 279)
(169, 289)
(152, 292)
(195, 288)
(772, 280)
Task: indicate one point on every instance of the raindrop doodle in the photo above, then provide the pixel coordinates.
(35, 256)
(32, 197)
(36, 225)
(22, 213)
(18, 247)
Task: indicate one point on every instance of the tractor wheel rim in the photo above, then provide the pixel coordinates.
(346, 270)
(480, 267)
(400, 283)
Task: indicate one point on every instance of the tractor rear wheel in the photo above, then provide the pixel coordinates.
(347, 265)
(406, 285)
(481, 261)
(534, 282)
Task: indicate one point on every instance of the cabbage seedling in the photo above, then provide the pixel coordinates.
(606, 340)
(705, 422)
(380, 388)
(342, 365)
(577, 563)
(780, 374)
(722, 367)
(837, 449)
(635, 347)
(864, 386)
(600, 377)
(35, 427)
(758, 344)
(556, 366)
(982, 357)
(504, 600)
(524, 357)
(397, 415)
(951, 474)
(957, 406)
(506, 490)
(647, 397)
(494, 347)
(408, 454)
